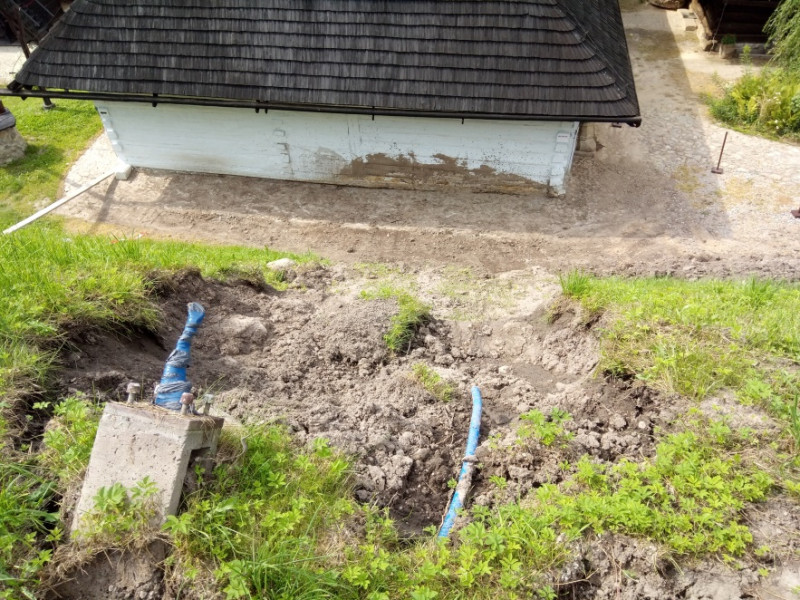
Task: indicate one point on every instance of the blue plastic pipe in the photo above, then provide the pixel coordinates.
(173, 380)
(465, 476)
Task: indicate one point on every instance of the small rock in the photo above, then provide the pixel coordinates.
(281, 264)
(444, 359)
(617, 422)
(518, 473)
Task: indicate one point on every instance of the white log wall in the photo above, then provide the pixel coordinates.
(339, 148)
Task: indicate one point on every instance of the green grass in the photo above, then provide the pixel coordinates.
(25, 525)
(55, 139)
(411, 314)
(696, 338)
(432, 382)
(265, 525)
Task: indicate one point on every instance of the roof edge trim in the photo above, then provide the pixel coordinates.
(19, 92)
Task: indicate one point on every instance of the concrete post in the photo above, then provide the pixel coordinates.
(137, 441)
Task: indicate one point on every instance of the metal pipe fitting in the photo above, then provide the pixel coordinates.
(207, 401)
(133, 390)
(187, 399)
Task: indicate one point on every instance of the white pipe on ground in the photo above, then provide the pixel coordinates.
(58, 203)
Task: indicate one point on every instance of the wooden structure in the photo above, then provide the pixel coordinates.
(406, 92)
(742, 19)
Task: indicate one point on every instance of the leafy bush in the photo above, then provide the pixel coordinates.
(766, 102)
(783, 28)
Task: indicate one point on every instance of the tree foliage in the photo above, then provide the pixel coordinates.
(784, 33)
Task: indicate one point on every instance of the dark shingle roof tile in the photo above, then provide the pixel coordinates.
(545, 58)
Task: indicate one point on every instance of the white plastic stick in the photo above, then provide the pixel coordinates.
(58, 203)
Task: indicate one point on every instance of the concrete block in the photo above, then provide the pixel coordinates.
(134, 442)
(124, 171)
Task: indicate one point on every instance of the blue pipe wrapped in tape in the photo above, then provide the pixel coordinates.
(467, 467)
(173, 382)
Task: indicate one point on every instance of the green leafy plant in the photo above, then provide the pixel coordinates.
(432, 382)
(259, 525)
(26, 522)
(121, 517)
(68, 439)
(545, 429)
(690, 496)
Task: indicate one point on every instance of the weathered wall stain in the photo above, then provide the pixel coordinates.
(405, 171)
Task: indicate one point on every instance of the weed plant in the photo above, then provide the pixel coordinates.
(120, 517)
(689, 497)
(411, 314)
(544, 429)
(432, 382)
(68, 440)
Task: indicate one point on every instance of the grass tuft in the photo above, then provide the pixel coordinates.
(432, 382)
(412, 313)
(575, 284)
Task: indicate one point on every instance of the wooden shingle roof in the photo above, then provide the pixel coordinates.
(555, 59)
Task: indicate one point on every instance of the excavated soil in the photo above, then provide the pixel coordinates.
(312, 357)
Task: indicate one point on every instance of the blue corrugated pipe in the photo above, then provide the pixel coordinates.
(465, 477)
(173, 380)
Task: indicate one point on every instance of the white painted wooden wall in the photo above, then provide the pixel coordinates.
(318, 147)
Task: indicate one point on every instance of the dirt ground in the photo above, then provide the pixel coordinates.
(313, 357)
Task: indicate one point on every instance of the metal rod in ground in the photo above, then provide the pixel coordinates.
(57, 203)
(718, 170)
